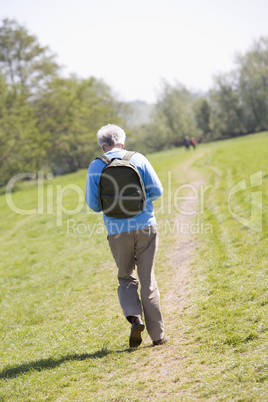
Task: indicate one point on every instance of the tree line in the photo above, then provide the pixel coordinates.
(50, 122)
(46, 121)
(237, 104)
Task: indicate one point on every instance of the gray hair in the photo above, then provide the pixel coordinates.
(111, 135)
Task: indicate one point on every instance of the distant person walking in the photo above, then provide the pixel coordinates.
(132, 240)
(187, 143)
(193, 143)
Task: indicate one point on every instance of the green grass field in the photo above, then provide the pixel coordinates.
(63, 336)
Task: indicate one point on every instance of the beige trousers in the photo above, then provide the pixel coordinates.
(138, 248)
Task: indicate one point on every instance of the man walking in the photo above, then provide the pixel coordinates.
(132, 240)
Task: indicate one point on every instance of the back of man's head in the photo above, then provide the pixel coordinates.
(111, 135)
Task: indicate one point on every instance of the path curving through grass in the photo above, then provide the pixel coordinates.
(62, 333)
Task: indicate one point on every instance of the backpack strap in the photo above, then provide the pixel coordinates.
(104, 159)
(128, 155)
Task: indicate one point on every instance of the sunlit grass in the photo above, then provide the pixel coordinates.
(63, 336)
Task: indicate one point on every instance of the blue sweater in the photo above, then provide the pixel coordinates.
(153, 188)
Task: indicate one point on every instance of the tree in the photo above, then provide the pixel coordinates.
(253, 85)
(22, 146)
(22, 59)
(239, 99)
(203, 116)
(69, 114)
(227, 108)
(173, 119)
(46, 119)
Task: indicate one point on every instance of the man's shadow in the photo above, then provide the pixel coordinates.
(49, 363)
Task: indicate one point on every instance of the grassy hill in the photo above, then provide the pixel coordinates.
(63, 336)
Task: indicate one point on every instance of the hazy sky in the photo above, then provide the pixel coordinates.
(133, 45)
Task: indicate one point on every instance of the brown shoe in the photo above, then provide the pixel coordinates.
(160, 341)
(135, 334)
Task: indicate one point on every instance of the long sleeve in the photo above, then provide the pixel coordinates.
(153, 186)
(92, 195)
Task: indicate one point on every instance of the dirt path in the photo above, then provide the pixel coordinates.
(185, 245)
(181, 255)
(166, 359)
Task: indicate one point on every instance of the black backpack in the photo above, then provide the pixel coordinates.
(121, 189)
